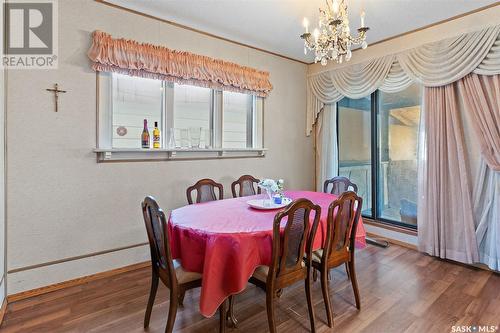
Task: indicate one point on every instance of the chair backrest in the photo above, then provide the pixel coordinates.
(205, 191)
(343, 216)
(159, 243)
(296, 238)
(339, 185)
(245, 186)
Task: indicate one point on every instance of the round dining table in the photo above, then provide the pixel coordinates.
(226, 240)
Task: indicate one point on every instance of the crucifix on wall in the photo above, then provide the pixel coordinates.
(56, 92)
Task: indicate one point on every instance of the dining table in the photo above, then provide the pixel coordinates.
(225, 240)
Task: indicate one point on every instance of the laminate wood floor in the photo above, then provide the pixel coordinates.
(401, 291)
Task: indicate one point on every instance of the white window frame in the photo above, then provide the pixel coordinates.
(105, 151)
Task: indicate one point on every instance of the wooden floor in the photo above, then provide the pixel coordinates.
(401, 291)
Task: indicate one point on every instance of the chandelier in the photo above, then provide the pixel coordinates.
(333, 40)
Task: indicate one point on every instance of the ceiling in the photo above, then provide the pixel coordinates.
(275, 25)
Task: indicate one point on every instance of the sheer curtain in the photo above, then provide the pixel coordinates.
(445, 213)
(481, 96)
(487, 213)
(327, 157)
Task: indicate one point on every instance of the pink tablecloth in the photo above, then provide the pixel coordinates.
(226, 240)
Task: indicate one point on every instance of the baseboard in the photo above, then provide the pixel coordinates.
(2, 310)
(39, 276)
(74, 282)
(393, 241)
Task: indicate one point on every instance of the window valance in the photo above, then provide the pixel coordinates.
(157, 62)
(433, 64)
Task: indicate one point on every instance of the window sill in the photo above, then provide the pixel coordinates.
(141, 155)
(392, 227)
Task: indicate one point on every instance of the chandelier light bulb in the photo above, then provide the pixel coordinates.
(335, 7)
(305, 23)
(316, 34)
(362, 19)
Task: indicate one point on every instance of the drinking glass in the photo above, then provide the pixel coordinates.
(177, 138)
(171, 138)
(184, 138)
(208, 138)
(195, 135)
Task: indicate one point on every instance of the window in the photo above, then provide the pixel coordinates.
(378, 151)
(189, 117)
(237, 120)
(192, 114)
(134, 99)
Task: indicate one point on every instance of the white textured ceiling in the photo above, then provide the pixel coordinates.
(275, 25)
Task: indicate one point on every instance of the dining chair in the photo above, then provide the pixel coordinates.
(339, 185)
(205, 191)
(339, 245)
(245, 186)
(164, 268)
(287, 263)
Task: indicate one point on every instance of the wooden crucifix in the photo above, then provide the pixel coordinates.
(56, 92)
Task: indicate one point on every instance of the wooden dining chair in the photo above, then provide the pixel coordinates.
(287, 265)
(339, 185)
(205, 191)
(245, 186)
(164, 268)
(339, 245)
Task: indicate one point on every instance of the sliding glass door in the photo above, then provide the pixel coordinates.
(378, 151)
(355, 146)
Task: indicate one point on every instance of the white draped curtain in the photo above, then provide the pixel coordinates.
(486, 199)
(436, 64)
(327, 153)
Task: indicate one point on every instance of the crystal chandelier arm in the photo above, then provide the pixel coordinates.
(360, 38)
(308, 40)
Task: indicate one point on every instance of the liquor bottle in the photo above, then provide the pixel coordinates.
(156, 136)
(145, 135)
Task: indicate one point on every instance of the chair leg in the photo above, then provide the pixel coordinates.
(270, 310)
(182, 293)
(151, 301)
(310, 305)
(315, 274)
(172, 311)
(326, 296)
(222, 315)
(354, 283)
(347, 271)
(230, 313)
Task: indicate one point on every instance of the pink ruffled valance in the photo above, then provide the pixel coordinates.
(157, 62)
